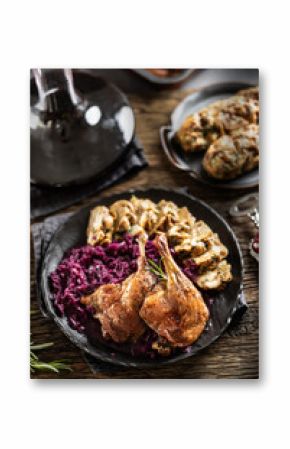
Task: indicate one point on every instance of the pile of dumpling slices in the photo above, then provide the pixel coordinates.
(191, 238)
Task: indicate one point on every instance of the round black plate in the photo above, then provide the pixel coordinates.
(91, 148)
(192, 163)
(73, 233)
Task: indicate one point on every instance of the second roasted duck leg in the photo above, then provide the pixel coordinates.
(174, 309)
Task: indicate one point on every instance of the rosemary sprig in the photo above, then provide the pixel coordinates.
(56, 365)
(35, 364)
(34, 347)
(156, 269)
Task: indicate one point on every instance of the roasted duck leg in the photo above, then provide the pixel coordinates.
(117, 305)
(174, 309)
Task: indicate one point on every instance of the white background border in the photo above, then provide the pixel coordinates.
(144, 414)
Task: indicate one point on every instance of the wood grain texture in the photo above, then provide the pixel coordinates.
(235, 354)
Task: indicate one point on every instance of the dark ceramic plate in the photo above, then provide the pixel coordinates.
(192, 163)
(165, 80)
(222, 306)
(91, 148)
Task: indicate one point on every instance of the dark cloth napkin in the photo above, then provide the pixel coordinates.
(45, 200)
(42, 234)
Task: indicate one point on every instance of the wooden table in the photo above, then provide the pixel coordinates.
(235, 354)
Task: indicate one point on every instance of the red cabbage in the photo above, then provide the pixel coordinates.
(85, 268)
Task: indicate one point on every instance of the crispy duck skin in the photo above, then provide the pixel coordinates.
(117, 305)
(175, 309)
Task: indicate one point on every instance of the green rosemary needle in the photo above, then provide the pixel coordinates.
(56, 365)
(156, 269)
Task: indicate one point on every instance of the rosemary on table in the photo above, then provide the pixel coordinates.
(38, 365)
(56, 365)
(156, 269)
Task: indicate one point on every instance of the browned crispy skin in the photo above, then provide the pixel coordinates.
(117, 305)
(174, 309)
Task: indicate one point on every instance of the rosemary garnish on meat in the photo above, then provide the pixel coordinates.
(156, 269)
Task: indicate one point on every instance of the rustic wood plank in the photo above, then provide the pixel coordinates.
(235, 354)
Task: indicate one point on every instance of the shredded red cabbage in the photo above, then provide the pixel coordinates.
(85, 268)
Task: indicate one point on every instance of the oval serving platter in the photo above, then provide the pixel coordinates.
(192, 163)
(222, 305)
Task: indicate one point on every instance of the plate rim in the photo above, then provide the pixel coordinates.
(141, 364)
